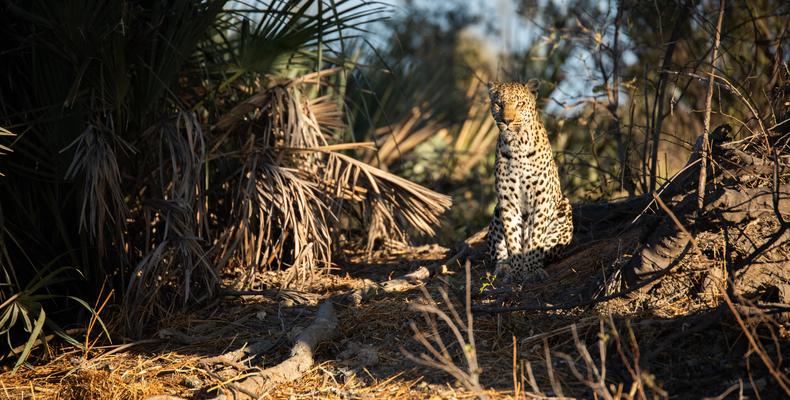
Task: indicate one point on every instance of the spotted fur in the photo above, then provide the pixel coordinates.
(532, 221)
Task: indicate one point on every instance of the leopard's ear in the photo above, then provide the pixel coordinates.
(533, 85)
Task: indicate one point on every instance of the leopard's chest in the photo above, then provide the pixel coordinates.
(519, 155)
(521, 170)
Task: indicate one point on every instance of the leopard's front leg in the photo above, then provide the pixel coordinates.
(497, 247)
(508, 253)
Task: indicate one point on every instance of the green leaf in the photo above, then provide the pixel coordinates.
(92, 311)
(63, 335)
(38, 281)
(42, 316)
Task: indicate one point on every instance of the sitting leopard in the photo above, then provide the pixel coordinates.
(532, 220)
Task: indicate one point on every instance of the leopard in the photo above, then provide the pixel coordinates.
(532, 223)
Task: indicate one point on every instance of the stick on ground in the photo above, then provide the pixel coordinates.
(323, 328)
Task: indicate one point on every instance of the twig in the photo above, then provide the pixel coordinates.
(635, 372)
(727, 85)
(515, 368)
(555, 383)
(409, 281)
(677, 223)
(780, 378)
(440, 357)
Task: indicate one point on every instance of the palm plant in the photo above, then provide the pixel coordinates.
(163, 142)
(297, 173)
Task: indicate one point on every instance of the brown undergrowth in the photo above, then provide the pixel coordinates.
(624, 315)
(525, 354)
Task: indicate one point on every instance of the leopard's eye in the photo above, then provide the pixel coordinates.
(522, 104)
(496, 107)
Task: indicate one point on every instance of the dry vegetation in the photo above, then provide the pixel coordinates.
(247, 203)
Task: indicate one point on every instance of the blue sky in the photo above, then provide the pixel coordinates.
(512, 32)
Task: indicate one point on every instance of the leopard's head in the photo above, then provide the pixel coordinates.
(513, 104)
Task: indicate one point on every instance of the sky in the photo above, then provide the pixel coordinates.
(512, 32)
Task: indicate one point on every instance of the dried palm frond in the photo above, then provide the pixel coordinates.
(403, 137)
(327, 113)
(95, 163)
(296, 183)
(141, 201)
(176, 227)
(390, 203)
(476, 135)
(281, 216)
(279, 213)
(5, 149)
(468, 142)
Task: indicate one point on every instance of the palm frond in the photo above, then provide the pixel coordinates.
(399, 139)
(114, 174)
(390, 203)
(3, 148)
(285, 37)
(297, 183)
(475, 137)
(95, 164)
(280, 213)
(176, 225)
(468, 140)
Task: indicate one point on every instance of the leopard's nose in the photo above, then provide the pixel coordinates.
(507, 120)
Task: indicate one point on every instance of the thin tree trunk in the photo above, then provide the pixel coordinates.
(659, 102)
(703, 172)
(613, 95)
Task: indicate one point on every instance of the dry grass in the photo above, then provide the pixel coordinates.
(583, 352)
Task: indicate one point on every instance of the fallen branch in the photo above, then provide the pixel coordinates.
(323, 328)
(736, 206)
(234, 358)
(669, 243)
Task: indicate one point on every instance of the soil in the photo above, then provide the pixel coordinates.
(679, 304)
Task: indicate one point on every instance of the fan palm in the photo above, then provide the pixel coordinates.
(163, 141)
